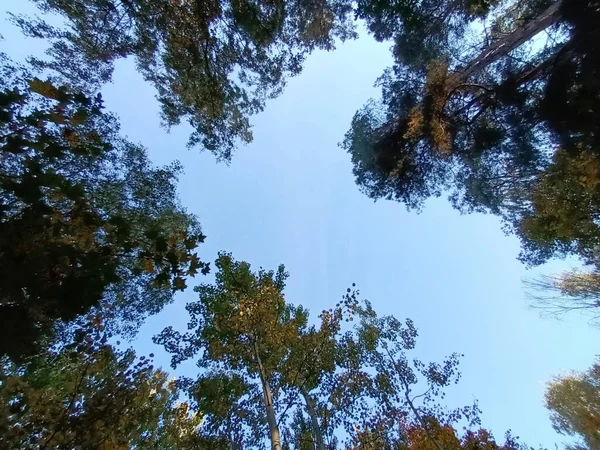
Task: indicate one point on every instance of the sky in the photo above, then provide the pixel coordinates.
(290, 197)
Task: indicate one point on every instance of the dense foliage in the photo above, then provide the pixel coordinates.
(213, 63)
(89, 395)
(85, 220)
(432, 435)
(493, 101)
(496, 103)
(313, 384)
(266, 375)
(574, 404)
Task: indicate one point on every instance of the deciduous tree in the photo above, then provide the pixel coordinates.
(380, 389)
(433, 435)
(570, 291)
(574, 404)
(85, 221)
(91, 395)
(348, 381)
(241, 325)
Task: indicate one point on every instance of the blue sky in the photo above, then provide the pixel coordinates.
(290, 198)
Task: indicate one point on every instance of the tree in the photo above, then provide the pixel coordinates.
(213, 63)
(380, 391)
(85, 221)
(494, 102)
(347, 381)
(573, 290)
(241, 326)
(231, 407)
(419, 437)
(564, 214)
(302, 433)
(312, 363)
(250, 340)
(574, 405)
(91, 395)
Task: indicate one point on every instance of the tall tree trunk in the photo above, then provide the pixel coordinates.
(503, 46)
(499, 49)
(310, 408)
(268, 398)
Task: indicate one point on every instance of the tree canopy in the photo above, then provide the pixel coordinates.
(358, 390)
(213, 63)
(574, 404)
(573, 290)
(492, 101)
(241, 326)
(85, 220)
(91, 395)
(268, 374)
(433, 436)
(496, 103)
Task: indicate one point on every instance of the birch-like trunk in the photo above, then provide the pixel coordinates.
(268, 398)
(310, 408)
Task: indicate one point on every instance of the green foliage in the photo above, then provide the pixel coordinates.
(241, 326)
(495, 103)
(565, 200)
(261, 363)
(230, 407)
(379, 387)
(90, 395)
(240, 308)
(348, 374)
(213, 63)
(574, 405)
(92, 232)
(85, 220)
(301, 433)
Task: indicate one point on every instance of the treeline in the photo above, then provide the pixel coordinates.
(493, 102)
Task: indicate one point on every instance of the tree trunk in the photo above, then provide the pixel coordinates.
(499, 49)
(268, 398)
(503, 46)
(310, 408)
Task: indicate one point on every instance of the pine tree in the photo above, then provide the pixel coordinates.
(495, 103)
(213, 63)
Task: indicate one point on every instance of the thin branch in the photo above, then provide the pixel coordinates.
(410, 402)
(71, 403)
